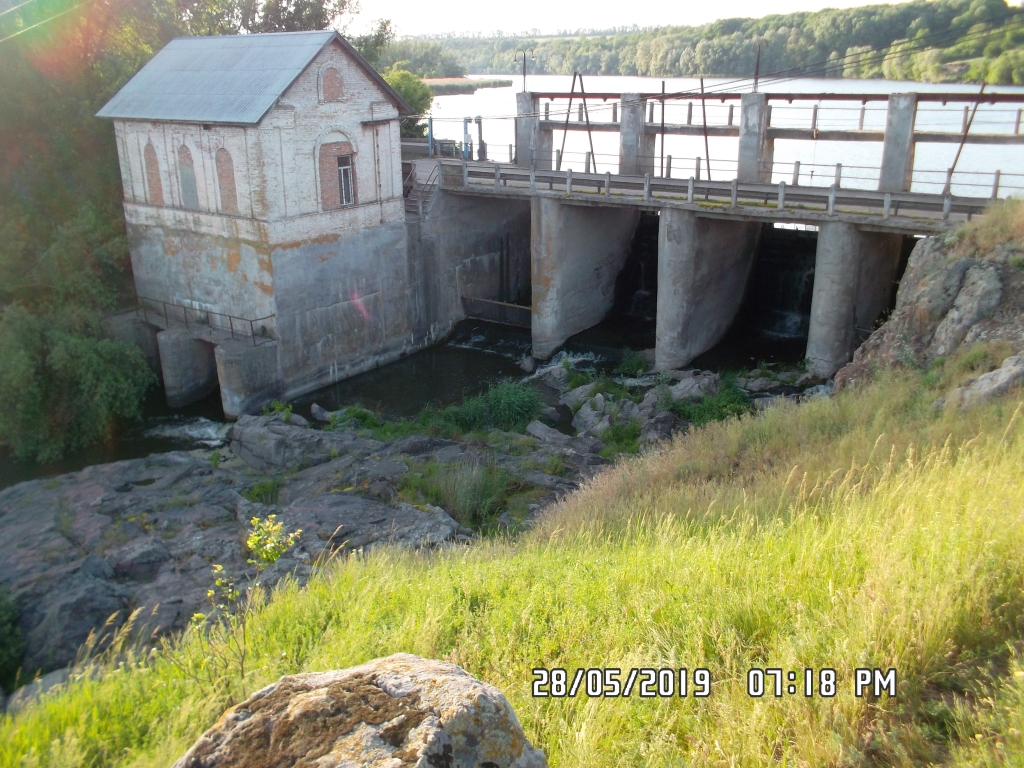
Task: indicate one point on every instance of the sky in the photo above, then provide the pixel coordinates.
(415, 17)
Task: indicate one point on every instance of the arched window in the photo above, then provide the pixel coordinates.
(337, 175)
(153, 185)
(226, 180)
(332, 84)
(187, 174)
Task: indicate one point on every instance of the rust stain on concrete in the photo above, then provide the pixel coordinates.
(331, 238)
(266, 265)
(267, 288)
(234, 255)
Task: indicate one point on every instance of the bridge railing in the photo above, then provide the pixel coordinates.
(720, 194)
(204, 323)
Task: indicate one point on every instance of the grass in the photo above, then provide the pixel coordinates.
(474, 494)
(728, 402)
(621, 438)
(865, 530)
(1002, 224)
(265, 491)
(633, 364)
(506, 405)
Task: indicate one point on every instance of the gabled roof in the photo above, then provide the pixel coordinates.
(232, 79)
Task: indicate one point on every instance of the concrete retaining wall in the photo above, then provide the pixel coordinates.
(578, 252)
(703, 267)
(189, 367)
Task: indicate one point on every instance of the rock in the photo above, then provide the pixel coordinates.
(589, 415)
(628, 411)
(977, 299)
(600, 428)
(546, 434)
(989, 385)
(805, 380)
(297, 421)
(139, 560)
(574, 397)
(320, 414)
(528, 364)
(556, 376)
(762, 403)
(694, 386)
(347, 522)
(756, 385)
(398, 711)
(650, 402)
(266, 444)
(588, 444)
(30, 692)
(658, 428)
(551, 414)
(817, 391)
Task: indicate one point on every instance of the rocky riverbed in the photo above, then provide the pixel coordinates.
(82, 551)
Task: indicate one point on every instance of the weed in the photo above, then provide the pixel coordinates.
(633, 364)
(215, 459)
(555, 465)
(264, 492)
(474, 494)
(579, 378)
(729, 402)
(278, 407)
(267, 541)
(621, 438)
(12, 645)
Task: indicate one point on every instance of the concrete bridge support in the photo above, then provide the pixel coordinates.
(757, 151)
(853, 282)
(636, 142)
(188, 366)
(250, 377)
(703, 266)
(898, 147)
(576, 254)
(534, 147)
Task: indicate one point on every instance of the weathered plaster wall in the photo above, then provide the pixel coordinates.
(703, 267)
(578, 252)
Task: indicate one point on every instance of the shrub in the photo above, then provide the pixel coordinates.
(12, 646)
(621, 438)
(473, 494)
(267, 541)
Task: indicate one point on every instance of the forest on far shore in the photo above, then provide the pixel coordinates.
(926, 40)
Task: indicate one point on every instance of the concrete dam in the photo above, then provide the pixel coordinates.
(291, 239)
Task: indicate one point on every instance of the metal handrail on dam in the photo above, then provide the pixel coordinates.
(930, 212)
(206, 324)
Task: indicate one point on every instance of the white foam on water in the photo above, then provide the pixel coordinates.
(210, 434)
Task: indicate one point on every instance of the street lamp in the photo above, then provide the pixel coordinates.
(515, 58)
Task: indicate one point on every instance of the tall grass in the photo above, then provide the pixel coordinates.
(865, 530)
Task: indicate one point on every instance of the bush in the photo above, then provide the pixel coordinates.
(473, 494)
(264, 492)
(12, 646)
(62, 389)
(621, 438)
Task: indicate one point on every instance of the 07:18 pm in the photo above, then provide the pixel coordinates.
(787, 683)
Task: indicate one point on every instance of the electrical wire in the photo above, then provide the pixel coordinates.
(44, 21)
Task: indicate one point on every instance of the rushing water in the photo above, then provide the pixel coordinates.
(974, 176)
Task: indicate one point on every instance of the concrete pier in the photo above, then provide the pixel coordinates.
(853, 283)
(898, 146)
(188, 366)
(757, 151)
(534, 146)
(703, 266)
(577, 253)
(636, 142)
(250, 377)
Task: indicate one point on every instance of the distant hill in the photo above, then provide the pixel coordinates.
(931, 41)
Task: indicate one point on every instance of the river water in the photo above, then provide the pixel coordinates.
(860, 160)
(770, 328)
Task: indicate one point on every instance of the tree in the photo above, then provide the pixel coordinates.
(416, 94)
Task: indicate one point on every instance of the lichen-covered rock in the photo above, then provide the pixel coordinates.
(389, 713)
(945, 302)
(267, 444)
(697, 385)
(993, 384)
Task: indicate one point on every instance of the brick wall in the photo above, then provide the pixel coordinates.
(154, 187)
(226, 182)
(330, 193)
(332, 88)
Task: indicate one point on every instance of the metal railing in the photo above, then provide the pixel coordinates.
(217, 326)
(497, 312)
(768, 200)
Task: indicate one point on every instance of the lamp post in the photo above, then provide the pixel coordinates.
(515, 58)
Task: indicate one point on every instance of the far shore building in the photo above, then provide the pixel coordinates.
(263, 197)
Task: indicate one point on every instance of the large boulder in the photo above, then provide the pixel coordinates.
(392, 712)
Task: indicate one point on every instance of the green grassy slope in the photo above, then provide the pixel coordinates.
(864, 530)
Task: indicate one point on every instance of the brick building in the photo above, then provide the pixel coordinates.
(262, 182)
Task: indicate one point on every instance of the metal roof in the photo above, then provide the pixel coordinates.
(233, 79)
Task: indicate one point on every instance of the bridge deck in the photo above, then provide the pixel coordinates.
(909, 212)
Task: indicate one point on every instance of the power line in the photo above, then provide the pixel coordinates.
(44, 21)
(15, 7)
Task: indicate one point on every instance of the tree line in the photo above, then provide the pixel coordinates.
(932, 41)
